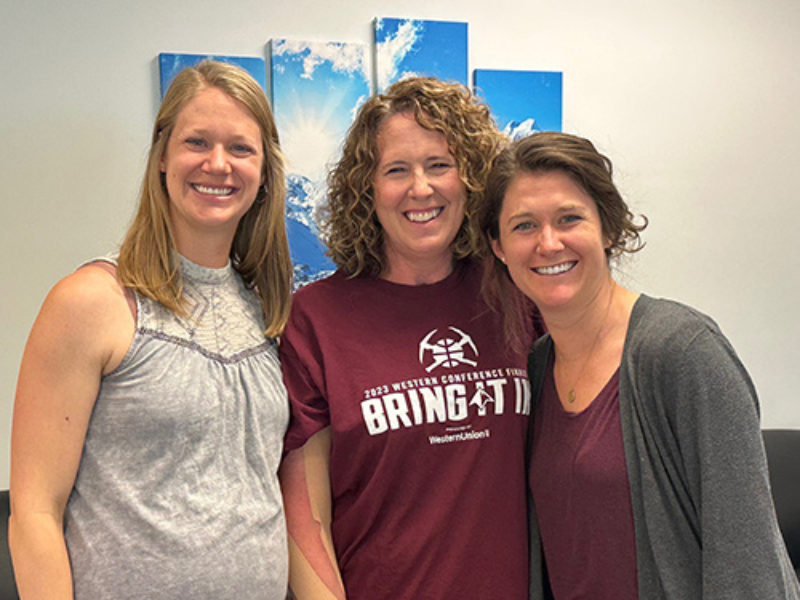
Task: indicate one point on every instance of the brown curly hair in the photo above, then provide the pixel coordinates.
(349, 226)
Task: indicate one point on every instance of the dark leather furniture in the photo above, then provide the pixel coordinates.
(783, 457)
(8, 587)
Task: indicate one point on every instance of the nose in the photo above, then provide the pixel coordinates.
(549, 241)
(217, 161)
(420, 185)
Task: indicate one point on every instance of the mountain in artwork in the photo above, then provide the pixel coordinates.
(308, 253)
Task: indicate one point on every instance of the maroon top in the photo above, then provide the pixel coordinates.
(582, 496)
(428, 416)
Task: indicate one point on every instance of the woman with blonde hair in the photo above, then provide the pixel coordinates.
(150, 410)
(404, 474)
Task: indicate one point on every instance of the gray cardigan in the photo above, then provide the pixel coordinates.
(705, 526)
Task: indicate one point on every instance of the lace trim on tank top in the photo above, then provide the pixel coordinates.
(224, 318)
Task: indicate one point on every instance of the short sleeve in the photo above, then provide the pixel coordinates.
(303, 378)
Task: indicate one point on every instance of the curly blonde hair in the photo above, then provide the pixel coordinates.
(260, 250)
(349, 225)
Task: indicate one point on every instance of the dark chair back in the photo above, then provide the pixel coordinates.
(8, 586)
(783, 457)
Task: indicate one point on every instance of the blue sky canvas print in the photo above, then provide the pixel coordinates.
(317, 88)
(522, 101)
(172, 64)
(406, 47)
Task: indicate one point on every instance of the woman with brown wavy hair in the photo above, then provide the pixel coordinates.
(404, 476)
(648, 475)
(150, 410)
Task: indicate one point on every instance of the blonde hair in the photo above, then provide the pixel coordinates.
(260, 250)
(350, 228)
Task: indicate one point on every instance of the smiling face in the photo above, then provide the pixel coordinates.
(419, 200)
(551, 240)
(213, 168)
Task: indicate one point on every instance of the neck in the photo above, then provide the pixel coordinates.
(407, 272)
(577, 331)
(212, 252)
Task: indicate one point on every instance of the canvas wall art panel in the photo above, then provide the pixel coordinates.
(317, 88)
(522, 102)
(171, 64)
(406, 47)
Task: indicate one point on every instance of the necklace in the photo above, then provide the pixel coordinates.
(571, 393)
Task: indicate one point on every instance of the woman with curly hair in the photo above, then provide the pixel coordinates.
(647, 469)
(404, 476)
(150, 409)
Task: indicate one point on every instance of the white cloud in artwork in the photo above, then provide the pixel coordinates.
(391, 52)
(357, 106)
(343, 58)
(520, 129)
(176, 65)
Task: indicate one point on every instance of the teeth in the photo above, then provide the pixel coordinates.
(556, 269)
(212, 191)
(423, 216)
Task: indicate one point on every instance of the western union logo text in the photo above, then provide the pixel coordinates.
(465, 436)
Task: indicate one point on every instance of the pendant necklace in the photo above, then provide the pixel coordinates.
(571, 393)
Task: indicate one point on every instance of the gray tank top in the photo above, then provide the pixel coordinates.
(177, 493)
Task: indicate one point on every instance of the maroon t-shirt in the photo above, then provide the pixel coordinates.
(428, 417)
(582, 497)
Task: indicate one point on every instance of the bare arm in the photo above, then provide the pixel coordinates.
(305, 481)
(82, 332)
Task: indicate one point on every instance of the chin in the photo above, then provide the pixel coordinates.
(551, 301)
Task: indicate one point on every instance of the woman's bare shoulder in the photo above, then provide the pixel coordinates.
(89, 307)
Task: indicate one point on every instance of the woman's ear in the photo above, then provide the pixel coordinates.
(498, 250)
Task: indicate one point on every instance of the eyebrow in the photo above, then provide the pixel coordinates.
(521, 215)
(447, 157)
(570, 207)
(236, 136)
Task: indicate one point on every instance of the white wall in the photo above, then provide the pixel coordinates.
(696, 102)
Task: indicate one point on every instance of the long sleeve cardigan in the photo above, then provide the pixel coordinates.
(704, 520)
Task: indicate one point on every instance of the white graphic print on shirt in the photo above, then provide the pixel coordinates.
(452, 398)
